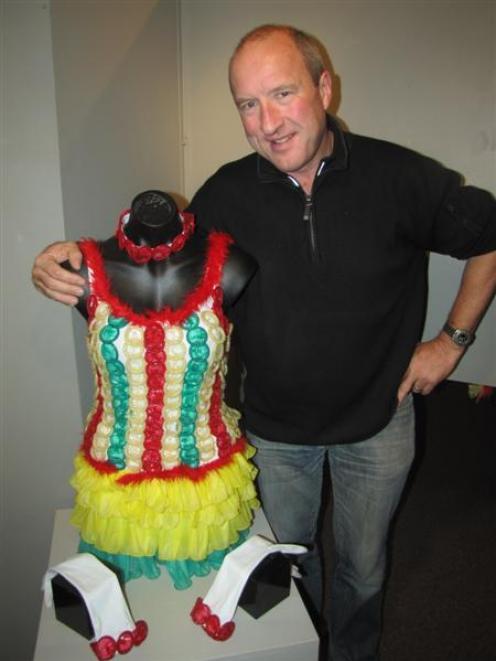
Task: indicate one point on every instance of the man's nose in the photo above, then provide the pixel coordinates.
(270, 118)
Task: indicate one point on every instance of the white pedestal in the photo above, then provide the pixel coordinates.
(285, 633)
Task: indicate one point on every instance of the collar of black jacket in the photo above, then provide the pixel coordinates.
(338, 160)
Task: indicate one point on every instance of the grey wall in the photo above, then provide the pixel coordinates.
(90, 99)
(41, 419)
(117, 94)
(418, 73)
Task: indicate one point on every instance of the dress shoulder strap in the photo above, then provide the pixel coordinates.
(217, 253)
(98, 280)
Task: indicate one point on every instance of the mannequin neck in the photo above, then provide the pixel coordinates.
(154, 219)
(146, 235)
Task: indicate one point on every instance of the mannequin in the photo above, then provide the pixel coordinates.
(163, 476)
(153, 220)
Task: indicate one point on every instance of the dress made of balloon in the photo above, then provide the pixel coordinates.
(163, 476)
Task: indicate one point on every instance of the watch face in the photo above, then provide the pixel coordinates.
(462, 337)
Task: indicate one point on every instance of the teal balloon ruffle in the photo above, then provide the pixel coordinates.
(181, 571)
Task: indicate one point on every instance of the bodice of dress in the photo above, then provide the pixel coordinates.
(159, 406)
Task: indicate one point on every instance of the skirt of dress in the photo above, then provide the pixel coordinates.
(185, 525)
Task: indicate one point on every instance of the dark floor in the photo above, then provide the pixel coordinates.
(441, 597)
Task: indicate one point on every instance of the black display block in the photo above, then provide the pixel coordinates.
(268, 585)
(70, 608)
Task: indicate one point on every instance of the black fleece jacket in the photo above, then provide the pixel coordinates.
(328, 324)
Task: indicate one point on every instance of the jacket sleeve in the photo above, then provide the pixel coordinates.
(442, 214)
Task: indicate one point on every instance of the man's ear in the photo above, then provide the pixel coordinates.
(325, 88)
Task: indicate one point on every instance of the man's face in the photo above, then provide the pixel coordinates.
(281, 108)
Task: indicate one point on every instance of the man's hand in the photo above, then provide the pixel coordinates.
(55, 281)
(431, 362)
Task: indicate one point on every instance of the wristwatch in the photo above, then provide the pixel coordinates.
(460, 336)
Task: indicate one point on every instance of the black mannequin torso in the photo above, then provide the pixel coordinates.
(154, 220)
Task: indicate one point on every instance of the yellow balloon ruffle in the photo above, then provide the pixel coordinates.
(172, 519)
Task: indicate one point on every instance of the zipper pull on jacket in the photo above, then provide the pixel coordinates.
(309, 221)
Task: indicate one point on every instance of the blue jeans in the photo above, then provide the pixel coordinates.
(367, 481)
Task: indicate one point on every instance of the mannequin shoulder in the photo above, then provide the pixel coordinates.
(239, 269)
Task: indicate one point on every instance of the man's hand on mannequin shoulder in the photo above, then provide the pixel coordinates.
(431, 363)
(53, 280)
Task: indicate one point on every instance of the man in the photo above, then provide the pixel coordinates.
(329, 327)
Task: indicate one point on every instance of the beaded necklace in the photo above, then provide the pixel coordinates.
(143, 254)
